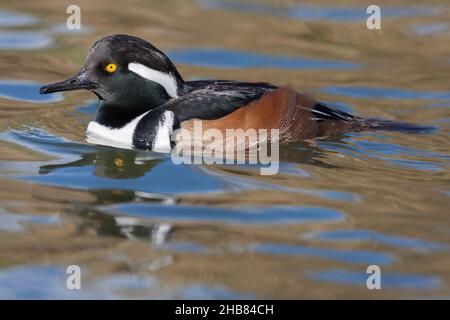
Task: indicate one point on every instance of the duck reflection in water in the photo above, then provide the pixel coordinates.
(111, 163)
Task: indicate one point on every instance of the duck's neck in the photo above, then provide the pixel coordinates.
(116, 115)
(134, 102)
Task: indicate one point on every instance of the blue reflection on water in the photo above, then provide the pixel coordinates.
(309, 12)
(186, 247)
(241, 215)
(439, 105)
(14, 222)
(155, 180)
(387, 93)
(89, 107)
(197, 291)
(40, 282)
(390, 280)
(15, 19)
(372, 236)
(223, 58)
(388, 152)
(95, 167)
(430, 29)
(350, 256)
(24, 40)
(49, 282)
(62, 28)
(26, 91)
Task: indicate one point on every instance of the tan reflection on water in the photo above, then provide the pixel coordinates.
(392, 200)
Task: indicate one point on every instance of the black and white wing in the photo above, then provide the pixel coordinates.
(209, 100)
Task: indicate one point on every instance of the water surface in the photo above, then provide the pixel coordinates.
(314, 12)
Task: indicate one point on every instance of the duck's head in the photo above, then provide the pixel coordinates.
(125, 70)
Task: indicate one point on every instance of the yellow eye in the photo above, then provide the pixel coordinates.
(111, 68)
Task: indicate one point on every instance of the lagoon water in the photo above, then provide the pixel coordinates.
(140, 226)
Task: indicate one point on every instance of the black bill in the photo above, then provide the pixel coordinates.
(77, 82)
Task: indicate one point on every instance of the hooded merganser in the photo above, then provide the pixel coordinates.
(143, 99)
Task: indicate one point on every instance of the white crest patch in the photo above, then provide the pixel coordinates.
(166, 80)
(120, 137)
(164, 132)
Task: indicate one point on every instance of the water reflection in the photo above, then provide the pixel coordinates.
(375, 237)
(92, 167)
(435, 29)
(386, 93)
(25, 91)
(310, 12)
(389, 280)
(187, 247)
(222, 58)
(25, 40)
(199, 292)
(349, 256)
(13, 222)
(49, 282)
(62, 29)
(357, 146)
(250, 215)
(96, 165)
(15, 19)
(109, 163)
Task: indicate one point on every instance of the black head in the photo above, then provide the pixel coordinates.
(125, 70)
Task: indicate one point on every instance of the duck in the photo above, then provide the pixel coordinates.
(143, 100)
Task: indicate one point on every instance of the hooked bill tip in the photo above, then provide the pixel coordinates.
(43, 90)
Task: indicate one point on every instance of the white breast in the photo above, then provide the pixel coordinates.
(164, 132)
(121, 137)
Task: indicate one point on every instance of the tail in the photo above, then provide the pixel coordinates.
(387, 125)
(323, 113)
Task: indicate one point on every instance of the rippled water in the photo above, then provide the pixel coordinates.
(140, 226)
(314, 12)
(220, 58)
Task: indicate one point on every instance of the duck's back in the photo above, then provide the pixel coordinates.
(213, 99)
(296, 116)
